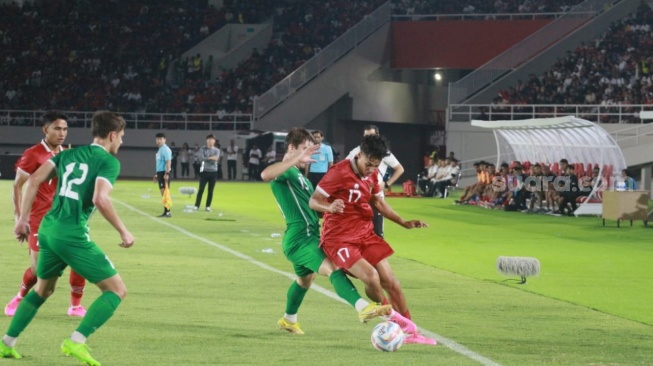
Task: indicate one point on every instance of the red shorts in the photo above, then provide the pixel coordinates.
(345, 254)
(33, 239)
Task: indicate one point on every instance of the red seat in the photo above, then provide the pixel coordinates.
(588, 171)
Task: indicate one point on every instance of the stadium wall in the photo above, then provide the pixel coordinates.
(137, 152)
(456, 44)
(364, 76)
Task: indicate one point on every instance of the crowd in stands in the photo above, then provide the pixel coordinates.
(555, 189)
(427, 7)
(79, 56)
(613, 69)
(301, 29)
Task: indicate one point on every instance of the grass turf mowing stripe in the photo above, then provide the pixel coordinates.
(442, 340)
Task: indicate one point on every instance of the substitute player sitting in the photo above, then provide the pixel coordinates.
(348, 237)
(302, 237)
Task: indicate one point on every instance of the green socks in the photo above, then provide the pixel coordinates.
(295, 297)
(28, 307)
(344, 287)
(100, 311)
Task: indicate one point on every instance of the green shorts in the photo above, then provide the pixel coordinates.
(303, 252)
(81, 254)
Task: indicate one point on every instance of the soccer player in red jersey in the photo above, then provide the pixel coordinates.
(348, 237)
(55, 128)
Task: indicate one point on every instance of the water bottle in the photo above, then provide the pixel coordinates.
(275, 235)
(268, 250)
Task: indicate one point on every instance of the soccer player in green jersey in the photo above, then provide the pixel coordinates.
(302, 237)
(86, 176)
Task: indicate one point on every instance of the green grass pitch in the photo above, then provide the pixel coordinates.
(202, 291)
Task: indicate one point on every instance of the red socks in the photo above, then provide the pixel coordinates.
(29, 280)
(405, 314)
(77, 283)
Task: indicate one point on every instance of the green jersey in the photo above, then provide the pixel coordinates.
(77, 170)
(292, 191)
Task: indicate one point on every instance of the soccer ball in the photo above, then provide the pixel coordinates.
(387, 337)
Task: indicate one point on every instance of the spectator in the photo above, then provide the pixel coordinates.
(232, 158)
(184, 159)
(626, 182)
(253, 163)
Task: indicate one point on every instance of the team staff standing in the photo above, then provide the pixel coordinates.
(232, 159)
(55, 128)
(208, 156)
(323, 160)
(163, 167)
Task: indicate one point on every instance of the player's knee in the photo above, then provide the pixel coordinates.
(44, 291)
(391, 284)
(306, 281)
(371, 277)
(121, 292)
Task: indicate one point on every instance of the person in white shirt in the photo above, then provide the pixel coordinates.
(389, 161)
(448, 179)
(232, 159)
(255, 156)
(270, 157)
(424, 181)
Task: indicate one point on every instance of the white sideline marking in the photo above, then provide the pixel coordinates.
(441, 340)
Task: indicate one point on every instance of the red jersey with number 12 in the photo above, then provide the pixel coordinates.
(343, 181)
(29, 162)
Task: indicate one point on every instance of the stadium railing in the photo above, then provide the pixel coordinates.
(618, 113)
(484, 16)
(159, 121)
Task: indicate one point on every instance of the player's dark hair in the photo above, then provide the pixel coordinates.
(372, 127)
(160, 135)
(564, 161)
(51, 116)
(105, 122)
(374, 146)
(317, 131)
(209, 136)
(298, 136)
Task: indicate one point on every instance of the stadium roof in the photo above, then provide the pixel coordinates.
(547, 140)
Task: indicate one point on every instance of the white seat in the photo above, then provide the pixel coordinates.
(450, 189)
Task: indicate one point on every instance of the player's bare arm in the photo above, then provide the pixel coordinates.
(398, 171)
(17, 193)
(42, 174)
(320, 203)
(384, 208)
(292, 158)
(102, 202)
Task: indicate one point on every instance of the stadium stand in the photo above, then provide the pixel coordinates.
(613, 69)
(423, 7)
(118, 60)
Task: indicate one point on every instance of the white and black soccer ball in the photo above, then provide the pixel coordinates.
(387, 337)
